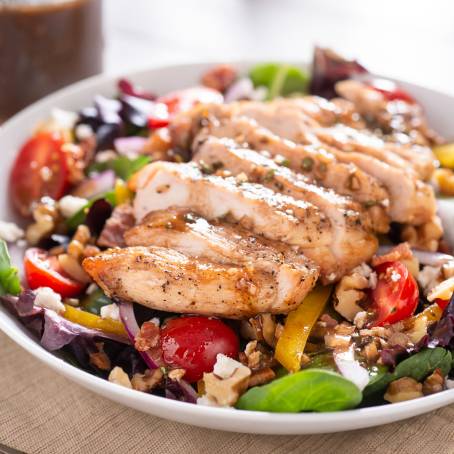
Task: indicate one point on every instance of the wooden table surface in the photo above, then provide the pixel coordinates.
(408, 39)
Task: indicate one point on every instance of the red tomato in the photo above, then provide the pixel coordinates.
(42, 270)
(182, 100)
(39, 170)
(391, 91)
(192, 343)
(442, 303)
(396, 295)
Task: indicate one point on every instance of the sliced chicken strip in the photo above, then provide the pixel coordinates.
(411, 200)
(314, 162)
(273, 215)
(164, 279)
(218, 241)
(352, 243)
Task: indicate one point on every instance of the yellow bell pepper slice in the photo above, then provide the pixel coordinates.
(433, 313)
(290, 346)
(445, 154)
(93, 321)
(122, 192)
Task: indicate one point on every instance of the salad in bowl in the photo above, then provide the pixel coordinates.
(268, 241)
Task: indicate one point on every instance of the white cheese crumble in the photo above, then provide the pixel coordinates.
(111, 311)
(64, 119)
(350, 368)
(225, 367)
(10, 232)
(83, 131)
(155, 320)
(45, 297)
(70, 205)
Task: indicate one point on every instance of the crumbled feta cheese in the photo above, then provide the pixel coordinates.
(111, 311)
(64, 119)
(10, 232)
(363, 270)
(83, 131)
(45, 297)
(373, 279)
(225, 366)
(351, 369)
(70, 205)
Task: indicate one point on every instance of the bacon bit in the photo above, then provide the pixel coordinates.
(401, 252)
(147, 338)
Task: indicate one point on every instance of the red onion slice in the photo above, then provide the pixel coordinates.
(151, 357)
(130, 146)
(96, 185)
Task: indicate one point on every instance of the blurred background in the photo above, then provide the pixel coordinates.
(43, 47)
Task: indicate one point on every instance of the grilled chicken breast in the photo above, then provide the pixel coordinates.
(351, 244)
(164, 279)
(316, 163)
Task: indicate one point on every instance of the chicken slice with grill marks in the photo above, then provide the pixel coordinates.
(164, 279)
(352, 241)
(314, 162)
(275, 216)
(218, 241)
(338, 127)
(411, 200)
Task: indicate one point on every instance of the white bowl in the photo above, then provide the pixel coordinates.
(13, 133)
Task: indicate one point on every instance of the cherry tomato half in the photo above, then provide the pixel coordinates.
(42, 270)
(396, 295)
(192, 343)
(180, 101)
(39, 170)
(391, 91)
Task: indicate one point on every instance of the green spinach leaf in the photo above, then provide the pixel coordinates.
(9, 277)
(423, 363)
(123, 166)
(309, 390)
(279, 79)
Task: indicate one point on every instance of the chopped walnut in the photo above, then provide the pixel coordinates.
(80, 239)
(260, 377)
(262, 328)
(226, 391)
(371, 352)
(256, 356)
(349, 294)
(99, 359)
(344, 329)
(434, 383)
(176, 374)
(147, 381)
(120, 377)
(401, 339)
(337, 341)
(404, 388)
(426, 236)
(46, 216)
(73, 268)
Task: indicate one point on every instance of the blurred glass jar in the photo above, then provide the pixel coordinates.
(45, 45)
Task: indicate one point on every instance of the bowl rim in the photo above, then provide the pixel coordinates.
(285, 423)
